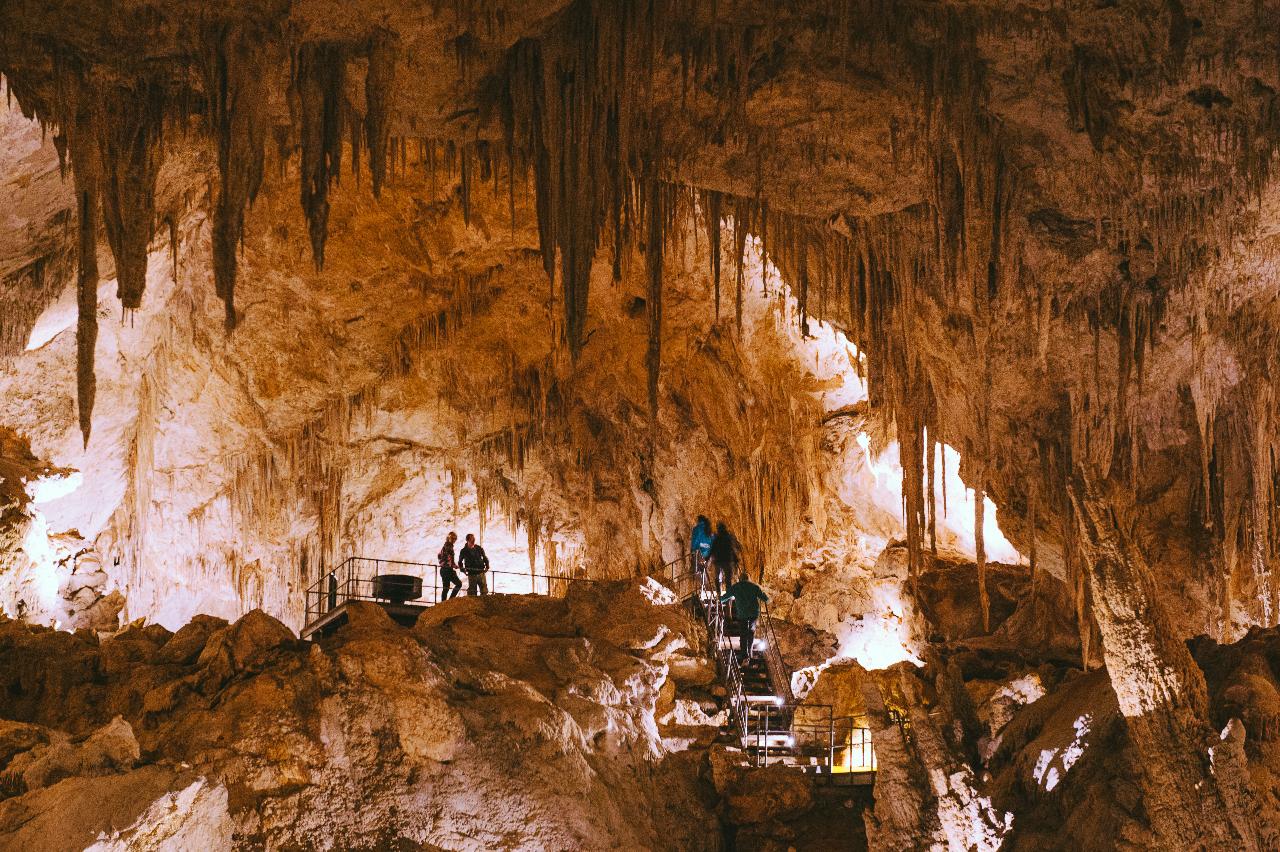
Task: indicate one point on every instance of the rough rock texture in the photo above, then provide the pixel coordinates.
(1049, 230)
(500, 722)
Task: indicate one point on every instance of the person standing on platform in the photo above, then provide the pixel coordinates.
(746, 597)
(450, 582)
(700, 544)
(475, 564)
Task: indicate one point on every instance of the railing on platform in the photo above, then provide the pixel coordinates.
(354, 579)
(810, 732)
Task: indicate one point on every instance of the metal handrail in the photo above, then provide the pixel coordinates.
(346, 582)
(779, 672)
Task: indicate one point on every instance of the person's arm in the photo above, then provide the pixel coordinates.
(485, 557)
(726, 597)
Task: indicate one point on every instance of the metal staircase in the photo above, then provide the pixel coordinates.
(765, 721)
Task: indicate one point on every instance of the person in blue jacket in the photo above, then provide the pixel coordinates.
(700, 544)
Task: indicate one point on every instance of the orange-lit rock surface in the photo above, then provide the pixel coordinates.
(509, 721)
(961, 314)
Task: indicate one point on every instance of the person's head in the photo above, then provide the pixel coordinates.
(704, 522)
(743, 578)
(721, 529)
(471, 539)
(451, 537)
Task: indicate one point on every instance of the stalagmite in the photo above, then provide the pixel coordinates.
(1161, 691)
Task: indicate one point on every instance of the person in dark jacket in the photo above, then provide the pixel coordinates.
(700, 544)
(475, 564)
(724, 555)
(450, 582)
(746, 597)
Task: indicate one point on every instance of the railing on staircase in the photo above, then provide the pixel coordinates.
(779, 671)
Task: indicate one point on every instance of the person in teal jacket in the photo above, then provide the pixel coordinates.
(746, 597)
(700, 544)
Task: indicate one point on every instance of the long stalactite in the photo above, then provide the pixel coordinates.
(129, 129)
(82, 149)
(235, 77)
(318, 78)
(379, 90)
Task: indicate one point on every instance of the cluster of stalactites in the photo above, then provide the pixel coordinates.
(111, 134)
(573, 107)
(1240, 478)
(235, 75)
(319, 86)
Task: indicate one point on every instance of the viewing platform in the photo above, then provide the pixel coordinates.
(404, 589)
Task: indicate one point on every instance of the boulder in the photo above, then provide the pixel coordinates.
(234, 648)
(769, 793)
(17, 737)
(185, 646)
(111, 748)
(72, 815)
(365, 617)
(840, 686)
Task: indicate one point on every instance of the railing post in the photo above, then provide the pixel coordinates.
(768, 726)
(831, 747)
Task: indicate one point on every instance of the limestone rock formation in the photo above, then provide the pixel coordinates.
(962, 315)
(510, 721)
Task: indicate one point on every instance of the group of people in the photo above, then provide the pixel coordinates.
(719, 552)
(471, 559)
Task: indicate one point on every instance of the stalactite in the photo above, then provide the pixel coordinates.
(171, 220)
(128, 125)
(318, 79)
(464, 183)
(82, 146)
(355, 131)
(657, 210)
(379, 86)
(740, 226)
(980, 549)
(235, 73)
(712, 203)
